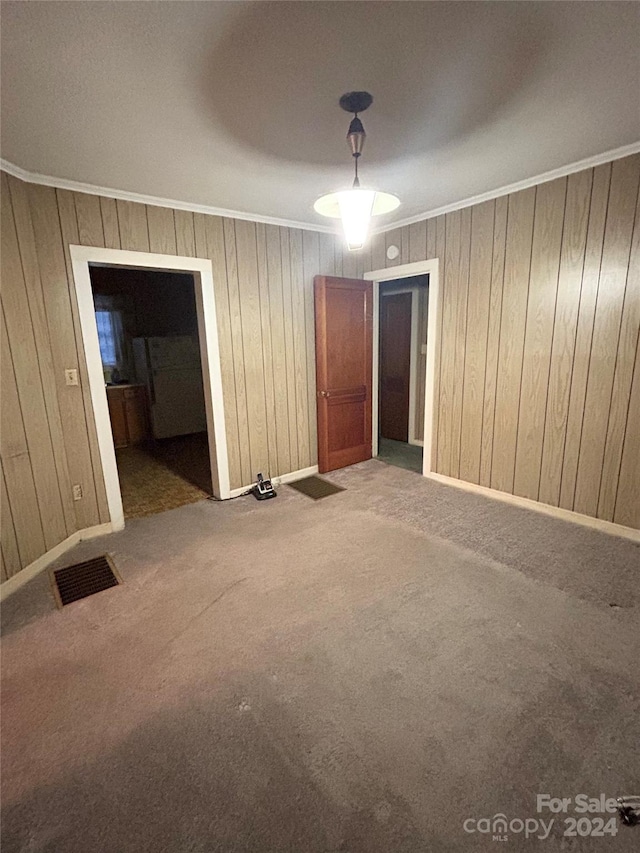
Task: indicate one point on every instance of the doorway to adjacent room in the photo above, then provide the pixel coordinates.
(85, 259)
(402, 346)
(147, 326)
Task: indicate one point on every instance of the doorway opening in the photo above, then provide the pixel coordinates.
(403, 308)
(150, 349)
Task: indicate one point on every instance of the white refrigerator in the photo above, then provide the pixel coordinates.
(172, 371)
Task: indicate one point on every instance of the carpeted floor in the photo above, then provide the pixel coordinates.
(358, 674)
(164, 474)
(401, 454)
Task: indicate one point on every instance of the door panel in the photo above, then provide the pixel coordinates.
(344, 322)
(395, 365)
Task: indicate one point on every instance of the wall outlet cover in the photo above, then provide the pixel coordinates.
(71, 376)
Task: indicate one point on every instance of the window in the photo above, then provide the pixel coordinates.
(110, 336)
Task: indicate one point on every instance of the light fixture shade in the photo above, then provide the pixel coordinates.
(355, 211)
(355, 207)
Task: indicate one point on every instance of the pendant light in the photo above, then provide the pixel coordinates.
(357, 205)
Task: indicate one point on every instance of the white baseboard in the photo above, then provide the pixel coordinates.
(25, 575)
(555, 511)
(291, 477)
(416, 442)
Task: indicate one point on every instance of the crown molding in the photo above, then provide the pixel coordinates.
(156, 201)
(563, 171)
(123, 195)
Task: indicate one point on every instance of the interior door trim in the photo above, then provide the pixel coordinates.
(201, 269)
(432, 269)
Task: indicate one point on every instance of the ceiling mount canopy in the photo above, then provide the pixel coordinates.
(357, 205)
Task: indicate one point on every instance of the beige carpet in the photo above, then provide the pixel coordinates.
(358, 674)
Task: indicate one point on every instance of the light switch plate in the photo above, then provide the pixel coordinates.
(71, 376)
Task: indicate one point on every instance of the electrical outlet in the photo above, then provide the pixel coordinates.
(77, 492)
(71, 376)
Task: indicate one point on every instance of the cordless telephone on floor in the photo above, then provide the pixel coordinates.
(263, 490)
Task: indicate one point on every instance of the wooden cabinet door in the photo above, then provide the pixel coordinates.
(118, 416)
(136, 414)
(344, 324)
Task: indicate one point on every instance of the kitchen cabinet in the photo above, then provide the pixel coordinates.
(129, 413)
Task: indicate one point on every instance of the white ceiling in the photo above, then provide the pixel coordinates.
(234, 105)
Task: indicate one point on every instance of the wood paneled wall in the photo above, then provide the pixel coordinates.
(538, 380)
(538, 375)
(263, 276)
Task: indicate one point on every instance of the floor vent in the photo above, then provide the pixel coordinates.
(315, 487)
(83, 579)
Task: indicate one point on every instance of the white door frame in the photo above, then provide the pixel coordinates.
(81, 258)
(430, 268)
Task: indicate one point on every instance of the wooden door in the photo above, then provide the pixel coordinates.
(344, 352)
(395, 365)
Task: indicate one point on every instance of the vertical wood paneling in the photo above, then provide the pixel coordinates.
(378, 252)
(349, 264)
(55, 286)
(627, 507)
(623, 377)
(574, 241)
(460, 339)
(514, 312)
(89, 218)
(110, 228)
(278, 346)
(8, 540)
(33, 284)
(311, 265)
(447, 450)
(25, 513)
(21, 353)
(185, 237)
(475, 351)
(584, 333)
(162, 230)
(18, 473)
(431, 239)
(493, 337)
(418, 242)
(237, 357)
(199, 220)
(289, 347)
(209, 243)
(613, 276)
(327, 255)
(249, 295)
(133, 227)
(540, 312)
(69, 233)
(300, 346)
(440, 243)
(267, 349)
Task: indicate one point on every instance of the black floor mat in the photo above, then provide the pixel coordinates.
(316, 487)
